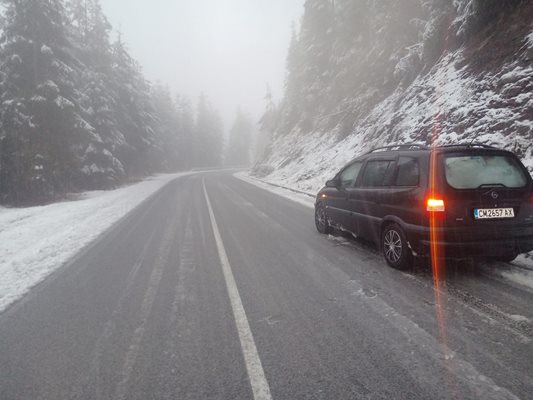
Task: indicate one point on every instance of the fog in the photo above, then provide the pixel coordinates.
(228, 49)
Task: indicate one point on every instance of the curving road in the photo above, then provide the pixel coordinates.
(217, 289)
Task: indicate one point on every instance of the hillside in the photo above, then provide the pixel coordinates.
(408, 71)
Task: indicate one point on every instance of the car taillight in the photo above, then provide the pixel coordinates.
(435, 205)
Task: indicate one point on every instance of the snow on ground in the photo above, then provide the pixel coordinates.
(522, 277)
(298, 196)
(36, 241)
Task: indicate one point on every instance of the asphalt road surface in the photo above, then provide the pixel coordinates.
(217, 289)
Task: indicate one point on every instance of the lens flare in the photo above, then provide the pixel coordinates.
(436, 208)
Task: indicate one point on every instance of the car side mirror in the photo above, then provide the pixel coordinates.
(332, 183)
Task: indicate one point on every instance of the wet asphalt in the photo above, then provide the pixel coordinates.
(144, 313)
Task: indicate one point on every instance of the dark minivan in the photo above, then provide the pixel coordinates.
(469, 200)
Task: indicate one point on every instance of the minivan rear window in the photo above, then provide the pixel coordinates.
(486, 170)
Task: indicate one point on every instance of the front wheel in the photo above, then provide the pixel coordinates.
(321, 220)
(395, 248)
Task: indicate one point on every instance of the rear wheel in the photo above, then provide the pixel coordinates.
(321, 219)
(395, 248)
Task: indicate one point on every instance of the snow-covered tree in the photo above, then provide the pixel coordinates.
(294, 83)
(40, 122)
(268, 124)
(89, 30)
(75, 109)
(134, 114)
(346, 57)
(167, 127)
(240, 140)
(316, 44)
(186, 129)
(208, 136)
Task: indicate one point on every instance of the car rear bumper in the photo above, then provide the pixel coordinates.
(468, 243)
(477, 249)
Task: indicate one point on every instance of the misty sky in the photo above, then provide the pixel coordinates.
(229, 49)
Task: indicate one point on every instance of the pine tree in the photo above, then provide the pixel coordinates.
(352, 39)
(268, 125)
(90, 29)
(348, 56)
(76, 112)
(208, 139)
(186, 129)
(135, 114)
(316, 43)
(240, 141)
(167, 126)
(40, 122)
(293, 83)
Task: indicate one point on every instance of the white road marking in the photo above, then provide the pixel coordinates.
(260, 388)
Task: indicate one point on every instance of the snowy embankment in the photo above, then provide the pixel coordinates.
(452, 103)
(304, 198)
(519, 271)
(36, 241)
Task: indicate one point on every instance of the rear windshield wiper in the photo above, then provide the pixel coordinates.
(488, 185)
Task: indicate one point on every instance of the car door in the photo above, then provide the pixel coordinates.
(404, 199)
(365, 200)
(338, 198)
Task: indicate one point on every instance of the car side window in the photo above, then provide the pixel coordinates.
(375, 173)
(348, 177)
(407, 172)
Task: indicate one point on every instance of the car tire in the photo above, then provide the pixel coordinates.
(506, 258)
(395, 248)
(321, 220)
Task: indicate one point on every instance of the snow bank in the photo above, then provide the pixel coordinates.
(36, 241)
(298, 196)
(521, 277)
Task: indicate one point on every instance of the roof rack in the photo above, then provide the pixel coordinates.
(468, 145)
(397, 147)
(418, 146)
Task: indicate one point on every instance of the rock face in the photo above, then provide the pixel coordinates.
(467, 74)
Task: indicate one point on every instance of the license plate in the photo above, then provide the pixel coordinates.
(493, 213)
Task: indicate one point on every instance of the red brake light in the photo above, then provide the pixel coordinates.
(435, 205)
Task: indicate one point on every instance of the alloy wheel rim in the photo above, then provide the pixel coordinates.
(321, 217)
(393, 246)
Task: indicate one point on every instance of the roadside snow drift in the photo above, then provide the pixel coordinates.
(36, 241)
